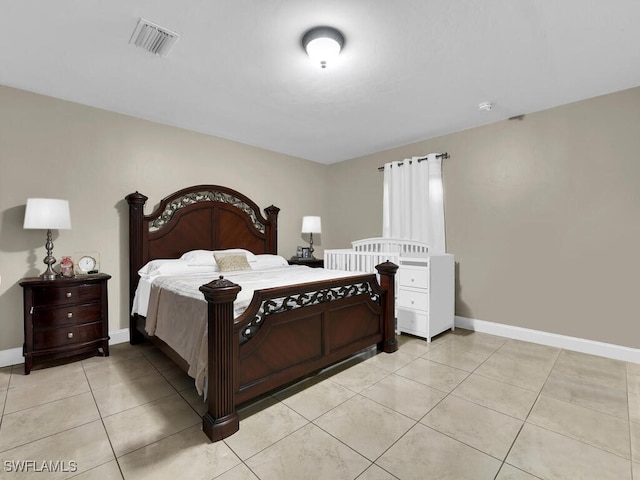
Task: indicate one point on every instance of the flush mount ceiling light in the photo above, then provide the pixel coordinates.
(323, 44)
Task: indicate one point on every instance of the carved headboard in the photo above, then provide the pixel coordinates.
(207, 217)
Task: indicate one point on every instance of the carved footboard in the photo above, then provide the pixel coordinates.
(287, 333)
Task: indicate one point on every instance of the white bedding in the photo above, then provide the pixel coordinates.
(187, 335)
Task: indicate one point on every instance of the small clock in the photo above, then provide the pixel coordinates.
(86, 263)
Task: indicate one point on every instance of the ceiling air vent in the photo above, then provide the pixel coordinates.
(153, 38)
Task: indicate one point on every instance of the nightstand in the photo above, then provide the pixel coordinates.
(309, 262)
(64, 317)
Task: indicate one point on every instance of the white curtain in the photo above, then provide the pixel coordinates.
(413, 203)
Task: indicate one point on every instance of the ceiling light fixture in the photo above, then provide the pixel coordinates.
(323, 44)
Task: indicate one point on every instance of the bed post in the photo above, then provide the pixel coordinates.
(387, 271)
(272, 216)
(221, 419)
(136, 203)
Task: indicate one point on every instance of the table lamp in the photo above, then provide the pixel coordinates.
(47, 213)
(311, 225)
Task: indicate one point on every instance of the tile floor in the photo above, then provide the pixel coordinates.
(467, 406)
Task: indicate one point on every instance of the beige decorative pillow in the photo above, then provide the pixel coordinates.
(232, 262)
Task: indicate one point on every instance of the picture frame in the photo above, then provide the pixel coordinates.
(306, 252)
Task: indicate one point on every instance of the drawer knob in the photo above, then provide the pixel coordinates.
(68, 294)
(70, 335)
(413, 279)
(412, 302)
(70, 315)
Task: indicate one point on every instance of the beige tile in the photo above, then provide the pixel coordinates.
(595, 428)
(263, 424)
(60, 383)
(309, 453)
(118, 397)
(186, 454)
(115, 373)
(359, 377)
(195, 400)
(469, 337)
(120, 352)
(86, 445)
(140, 426)
(240, 472)
(530, 352)
(374, 472)
(635, 441)
(604, 372)
(178, 378)
(391, 361)
(497, 395)
(636, 470)
(417, 347)
(549, 455)
(633, 384)
(424, 450)
(508, 472)
(38, 422)
(405, 396)
(159, 359)
(479, 427)
(528, 372)
(582, 392)
(463, 357)
(312, 398)
(106, 471)
(5, 374)
(364, 425)
(632, 368)
(433, 374)
(634, 407)
(44, 375)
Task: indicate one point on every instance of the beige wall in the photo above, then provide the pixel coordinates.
(542, 214)
(93, 158)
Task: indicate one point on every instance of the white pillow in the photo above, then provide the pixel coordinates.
(172, 267)
(206, 257)
(267, 260)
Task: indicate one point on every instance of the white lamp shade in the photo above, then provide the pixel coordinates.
(311, 225)
(47, 213)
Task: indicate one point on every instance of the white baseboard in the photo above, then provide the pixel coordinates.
(583, 345)
(13, 356)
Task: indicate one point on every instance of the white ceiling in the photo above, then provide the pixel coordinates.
(410, 69)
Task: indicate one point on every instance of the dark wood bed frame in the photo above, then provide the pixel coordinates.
(286, 333)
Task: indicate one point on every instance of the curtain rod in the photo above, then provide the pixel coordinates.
(444, 155)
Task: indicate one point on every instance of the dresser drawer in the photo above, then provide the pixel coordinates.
(413, 322)
(414, 299)
(66, 295)
(69, 315)
(414, 277)
(58, 337)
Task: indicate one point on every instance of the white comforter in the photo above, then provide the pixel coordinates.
(187, 334)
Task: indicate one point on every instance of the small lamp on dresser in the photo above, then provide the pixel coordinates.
(47, 214)
(311, 225)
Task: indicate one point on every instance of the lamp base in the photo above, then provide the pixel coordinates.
(49, 260)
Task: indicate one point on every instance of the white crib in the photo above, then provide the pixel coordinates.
(369, 252)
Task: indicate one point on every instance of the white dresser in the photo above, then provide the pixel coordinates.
(425, 297)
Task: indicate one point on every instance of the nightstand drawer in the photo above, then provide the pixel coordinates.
(65, 295)
(415, 299)
(73, 314)
(412, 322)
(62, 336)
(414, 277)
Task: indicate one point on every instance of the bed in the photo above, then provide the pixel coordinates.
(286, 332)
